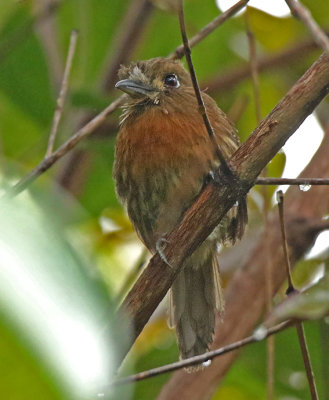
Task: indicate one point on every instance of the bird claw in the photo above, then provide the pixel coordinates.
(209, 177)
(160, 245)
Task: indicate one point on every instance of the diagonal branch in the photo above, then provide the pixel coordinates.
(219, 196)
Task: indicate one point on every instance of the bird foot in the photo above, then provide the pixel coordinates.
(160, 246)
(209, 177)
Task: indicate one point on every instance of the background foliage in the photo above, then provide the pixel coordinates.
(72, 213)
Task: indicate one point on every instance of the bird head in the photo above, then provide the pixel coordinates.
(154, 82)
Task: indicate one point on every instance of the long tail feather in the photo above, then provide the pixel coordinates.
(196, 296)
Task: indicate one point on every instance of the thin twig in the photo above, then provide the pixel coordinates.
(205, 31)
(307, 361)
(47, 162)
(291, 289)
(62, 92)
(301, 12)
(292, 181)
(202, 108)
(188, 362)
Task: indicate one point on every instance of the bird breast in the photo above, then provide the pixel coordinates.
(160, 163)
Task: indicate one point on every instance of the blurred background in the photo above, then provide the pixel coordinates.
(68, 253)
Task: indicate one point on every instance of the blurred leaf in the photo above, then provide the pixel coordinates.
(53, 310)
(272, 89)
(6, 9)
(23, 376)
(24, 75)
(306, 271)
(276, 166)
(100, 179)
(312, 303)
(273, 32)
(14, 124)
(89, 100)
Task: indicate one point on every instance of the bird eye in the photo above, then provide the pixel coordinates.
(171, 80)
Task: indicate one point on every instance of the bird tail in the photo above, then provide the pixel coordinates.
(195, 296)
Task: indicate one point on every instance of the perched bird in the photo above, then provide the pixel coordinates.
(163, 156)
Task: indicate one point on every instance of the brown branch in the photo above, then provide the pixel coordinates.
(219, 196)
(245, 296)
(292, 181)
(301, 12)
(208, 29)
(201, 106)
(62, 92)
(210, 355)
